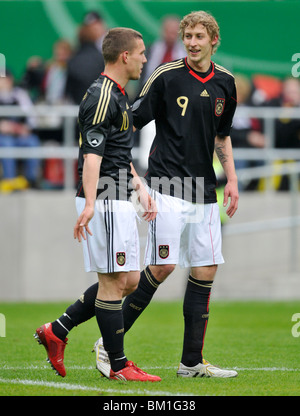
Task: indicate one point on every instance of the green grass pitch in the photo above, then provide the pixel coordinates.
(255, 338)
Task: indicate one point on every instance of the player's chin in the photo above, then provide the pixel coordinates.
(137, 75)
(195, 57)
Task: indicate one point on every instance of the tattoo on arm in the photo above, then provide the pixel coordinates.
(220, 150)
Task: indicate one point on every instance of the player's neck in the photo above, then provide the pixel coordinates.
(200, 66)
(116, 75)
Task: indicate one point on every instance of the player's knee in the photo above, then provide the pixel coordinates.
(204, 272)
(132, 282)
(130, 287)
(162, 271)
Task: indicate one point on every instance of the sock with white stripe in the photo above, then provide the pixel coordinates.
(196, 312)
(110, 321)
(77, 313)
(62, 326)
(137, 301)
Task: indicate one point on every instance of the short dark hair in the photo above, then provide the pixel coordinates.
(118, 40)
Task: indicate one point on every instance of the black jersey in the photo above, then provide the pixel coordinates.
(190, 109)
(105, 126)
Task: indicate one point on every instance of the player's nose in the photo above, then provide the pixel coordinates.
(193, 41)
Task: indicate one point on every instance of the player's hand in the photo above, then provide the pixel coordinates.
(143, 202)
(148, 204)
(81, 226)
(150, 209)
(231, 192)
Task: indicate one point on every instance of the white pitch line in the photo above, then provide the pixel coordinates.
(67, 386)
(265, 369)
(234, 368)
(45, 367)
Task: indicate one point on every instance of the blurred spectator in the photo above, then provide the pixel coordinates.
(246, 131)
(97, 27)
(51, 126)
(288, 130)
(54, 82)
(17, 132)
(266, 88)
(53, 88)
(168, 48)
(87, 63)
(33, 76)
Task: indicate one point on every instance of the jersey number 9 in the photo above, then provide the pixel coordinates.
(183, 103)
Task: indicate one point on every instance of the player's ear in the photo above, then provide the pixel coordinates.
(215, 40)
(124, 56)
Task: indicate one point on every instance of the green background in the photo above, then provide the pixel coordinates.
(257, 36)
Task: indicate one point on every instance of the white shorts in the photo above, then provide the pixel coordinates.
(114, 245)
(184, 233)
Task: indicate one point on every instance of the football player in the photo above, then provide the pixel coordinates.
(192, 101)
(106, 223)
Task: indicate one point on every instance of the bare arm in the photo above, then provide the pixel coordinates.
(223, 150)
(90, 177)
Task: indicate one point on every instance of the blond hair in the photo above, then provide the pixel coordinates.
(207, 20)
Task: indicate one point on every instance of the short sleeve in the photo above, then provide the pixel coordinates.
(98, 119)
(225, 123)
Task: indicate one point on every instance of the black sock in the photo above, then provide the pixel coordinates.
(110, 321)
(137, 301)
(82, 310)
(196, 312)
(62, 326)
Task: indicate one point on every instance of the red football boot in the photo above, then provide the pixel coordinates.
(55, 347)
(132, 373)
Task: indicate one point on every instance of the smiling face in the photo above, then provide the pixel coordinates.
(199, 46)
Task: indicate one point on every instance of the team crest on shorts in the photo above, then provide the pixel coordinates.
(121, 258)
(219, 106)
(163, 251)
